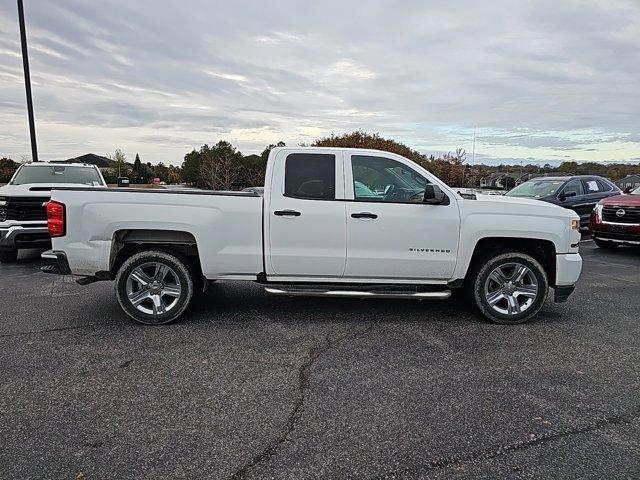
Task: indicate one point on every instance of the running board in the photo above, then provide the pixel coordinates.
(314, 292)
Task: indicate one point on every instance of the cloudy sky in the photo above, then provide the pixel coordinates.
(542, 80)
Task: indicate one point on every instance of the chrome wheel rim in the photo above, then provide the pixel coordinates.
(153, 288)
(511, 288)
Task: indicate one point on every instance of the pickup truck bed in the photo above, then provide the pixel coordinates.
(226, 226)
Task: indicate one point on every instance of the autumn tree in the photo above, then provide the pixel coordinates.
(120, 168)
(7, 168)
(221, 166)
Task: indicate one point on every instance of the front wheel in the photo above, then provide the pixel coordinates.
(154, 287)
(510, 288)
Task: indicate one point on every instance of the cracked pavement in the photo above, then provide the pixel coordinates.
(249, 386)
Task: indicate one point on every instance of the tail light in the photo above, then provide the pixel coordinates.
(56, 219)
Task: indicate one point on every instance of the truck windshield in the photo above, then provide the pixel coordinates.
(636, 191)
(57, 174)
(536, 188)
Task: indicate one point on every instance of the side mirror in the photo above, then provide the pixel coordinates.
(433, 195)
(628, 190)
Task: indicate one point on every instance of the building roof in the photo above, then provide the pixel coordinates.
(91, 159)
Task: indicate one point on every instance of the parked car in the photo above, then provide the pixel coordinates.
(579, 193)
(23, 218)
(616, 221)
(314, 228)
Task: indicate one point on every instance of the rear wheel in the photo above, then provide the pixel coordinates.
(510, 288)
(8, 255)
(154, 287)
(604, 244)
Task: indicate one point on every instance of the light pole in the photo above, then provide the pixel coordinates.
(27, 82)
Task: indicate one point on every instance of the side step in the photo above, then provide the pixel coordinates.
(315, 292)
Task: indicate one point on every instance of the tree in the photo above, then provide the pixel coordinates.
(161, 171)
(136, 171)
(221, 167)
(192, 166)
(254, 167)
(361, 139)
(7, 168)
(174, 175)
(120, 169)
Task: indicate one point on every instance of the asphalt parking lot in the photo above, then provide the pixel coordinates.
(253, 386)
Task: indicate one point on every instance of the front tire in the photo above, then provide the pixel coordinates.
(8, 255)
(154, 287)
(510, 288)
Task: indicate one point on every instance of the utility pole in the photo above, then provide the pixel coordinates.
(27, 82)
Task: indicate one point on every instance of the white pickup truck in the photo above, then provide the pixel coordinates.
(23, 219)
(332, 222)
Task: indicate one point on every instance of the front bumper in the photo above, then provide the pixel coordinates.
(24, 236)
(568, 269)
(617, 238)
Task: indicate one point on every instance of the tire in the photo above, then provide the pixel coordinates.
(604, 244)
(510, 288)
(8, 256)
(154, 287)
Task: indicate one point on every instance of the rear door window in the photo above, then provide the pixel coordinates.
(310, 176)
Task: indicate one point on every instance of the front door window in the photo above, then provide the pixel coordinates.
(379, 179)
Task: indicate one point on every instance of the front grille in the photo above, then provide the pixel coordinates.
(26, 209)
(615, 214)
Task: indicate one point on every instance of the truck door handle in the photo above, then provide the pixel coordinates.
(364, 215)
(287, 213)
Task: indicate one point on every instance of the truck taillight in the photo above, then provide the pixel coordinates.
(56, 219)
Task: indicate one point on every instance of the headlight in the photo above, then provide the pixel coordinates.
(3, 214)
(598, 210)
(575, 224)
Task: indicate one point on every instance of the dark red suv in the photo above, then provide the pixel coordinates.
(616, 221)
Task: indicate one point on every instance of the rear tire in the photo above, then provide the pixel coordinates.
(604, 244)
(8, 256)
(510, 288)
(154, 287)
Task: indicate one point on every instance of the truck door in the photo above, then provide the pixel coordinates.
(391, 233)
(305, 215)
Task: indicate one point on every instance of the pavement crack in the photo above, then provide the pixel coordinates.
(304, 376)
(499, 450)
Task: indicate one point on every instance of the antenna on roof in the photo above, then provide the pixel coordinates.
(474, 146)
(27, 82)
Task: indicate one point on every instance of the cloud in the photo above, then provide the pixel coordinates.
(542, 80)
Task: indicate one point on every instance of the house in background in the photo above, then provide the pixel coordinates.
(502, 180)
(630, 181)
(103, 163)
